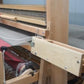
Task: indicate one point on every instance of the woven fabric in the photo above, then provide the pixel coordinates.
(25, 13)
(12, 59)
(13, 36)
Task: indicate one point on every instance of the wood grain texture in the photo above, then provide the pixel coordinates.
(8, 17)
(28, 47)
(26, 79)
(57, 23)
(33, 29)
(1, 69)
(57, 54)
(28, 19)
(24, 7)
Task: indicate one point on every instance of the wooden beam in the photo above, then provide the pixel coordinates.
(57, 54)
(26, 79)
(83, 82)
(58, 19)
(33, 29)
(57, 23)
(24, 7)
(1, 1)
(1, 69)
(28, 19)
(28, 47)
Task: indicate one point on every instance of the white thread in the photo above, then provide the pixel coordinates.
(15, 39)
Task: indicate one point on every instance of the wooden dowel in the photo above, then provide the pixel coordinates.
(33, 29)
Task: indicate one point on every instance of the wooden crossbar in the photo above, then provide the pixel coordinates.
(33, 29)
(26, 79)
(59, 54)
(24, 7)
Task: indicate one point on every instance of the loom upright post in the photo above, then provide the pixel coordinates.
(57, 24)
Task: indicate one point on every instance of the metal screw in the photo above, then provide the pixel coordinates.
(42, 32)
(35, 53)
(46, 59)
(32, 44)
(65, 67)
(78, 62)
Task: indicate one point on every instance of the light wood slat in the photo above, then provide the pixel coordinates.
(63, 57)
(28, 47)
(8, 17)
(23, 18)
(1, 69)
(33, 29)
(26, 79)
(24, 7)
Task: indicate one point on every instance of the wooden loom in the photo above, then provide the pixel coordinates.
(53, 67)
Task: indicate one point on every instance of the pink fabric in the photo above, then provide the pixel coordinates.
(10, 58)
(3, 43)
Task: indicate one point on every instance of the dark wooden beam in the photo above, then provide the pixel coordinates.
(1, 1)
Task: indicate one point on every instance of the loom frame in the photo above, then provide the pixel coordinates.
(57, 30)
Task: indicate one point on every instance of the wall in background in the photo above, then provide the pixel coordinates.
(76, 12)
(76, 6)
